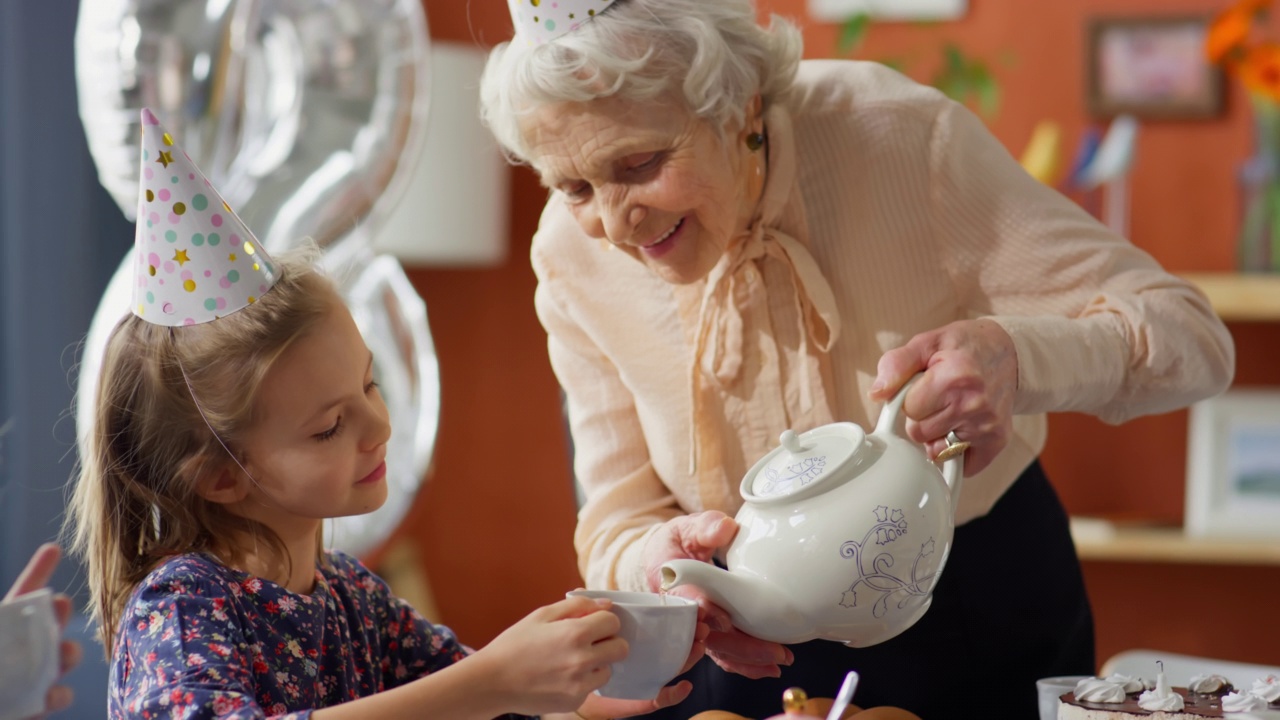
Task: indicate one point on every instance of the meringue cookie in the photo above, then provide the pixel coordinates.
(1128, 682)
(1242, 702)
(1207, 684)
(1153, 701)
(1099, 691)
(1267, 688)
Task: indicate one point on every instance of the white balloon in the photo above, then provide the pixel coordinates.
(299, 112)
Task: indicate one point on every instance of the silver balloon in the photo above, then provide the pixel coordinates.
(299, 112)
(393, 320)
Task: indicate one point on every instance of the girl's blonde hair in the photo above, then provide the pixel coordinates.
(135, 500)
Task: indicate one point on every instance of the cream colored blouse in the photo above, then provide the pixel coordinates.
(888, 211)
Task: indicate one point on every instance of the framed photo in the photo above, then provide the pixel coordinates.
(1154, 68)
(887, 10)
(1233, 466)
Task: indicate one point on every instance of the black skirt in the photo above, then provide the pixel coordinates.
(1010, 609)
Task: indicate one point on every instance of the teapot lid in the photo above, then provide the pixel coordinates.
(804, 461)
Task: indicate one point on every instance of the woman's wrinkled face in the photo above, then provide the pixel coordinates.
(654, 180)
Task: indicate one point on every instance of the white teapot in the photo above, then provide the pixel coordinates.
(843, 536)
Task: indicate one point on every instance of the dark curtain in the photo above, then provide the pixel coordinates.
(61, 237)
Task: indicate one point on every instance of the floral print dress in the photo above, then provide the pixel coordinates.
(199, 640)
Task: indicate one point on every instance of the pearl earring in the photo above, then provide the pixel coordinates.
(755, 141)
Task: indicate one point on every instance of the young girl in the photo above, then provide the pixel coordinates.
(236, 411)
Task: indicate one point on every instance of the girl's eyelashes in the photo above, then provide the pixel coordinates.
(331, 433)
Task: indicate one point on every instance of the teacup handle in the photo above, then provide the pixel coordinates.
(952, 469)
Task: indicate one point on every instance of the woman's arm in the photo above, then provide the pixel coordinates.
(631, 522)
(1063, 314)
(1098, 326)
(626, 501)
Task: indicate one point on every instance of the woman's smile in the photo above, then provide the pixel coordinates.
(662, 184)
(666, 242)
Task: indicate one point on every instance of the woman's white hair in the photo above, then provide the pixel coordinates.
(638, 50)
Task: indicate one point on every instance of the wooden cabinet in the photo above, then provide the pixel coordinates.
(1150, 584)
(1240, 296)
(1099, 540)
(1236, 297)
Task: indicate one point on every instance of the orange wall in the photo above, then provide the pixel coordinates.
(494, 523)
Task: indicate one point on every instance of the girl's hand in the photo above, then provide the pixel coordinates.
(596, 707)
(35, 576)
(970, 379)
(698, 536)
(553, 658)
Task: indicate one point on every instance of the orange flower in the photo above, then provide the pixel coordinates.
(1227, 34)
(1252, 6)
(1260, 70)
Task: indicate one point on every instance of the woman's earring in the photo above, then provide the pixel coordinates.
(755, 141)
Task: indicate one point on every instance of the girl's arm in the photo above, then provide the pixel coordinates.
(417, 649)
(182, 652)
(548, 662)
(474, 687)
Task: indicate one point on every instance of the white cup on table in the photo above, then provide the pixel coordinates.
(1051, 688)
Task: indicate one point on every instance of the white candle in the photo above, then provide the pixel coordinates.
(1162, 698)
(1162, 685)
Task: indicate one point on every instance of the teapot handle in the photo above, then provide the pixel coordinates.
(888, 421)
(952, 469)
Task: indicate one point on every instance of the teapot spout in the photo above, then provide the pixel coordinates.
(755, 604)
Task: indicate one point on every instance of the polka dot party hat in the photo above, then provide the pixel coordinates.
(196, 261)
(541, 21)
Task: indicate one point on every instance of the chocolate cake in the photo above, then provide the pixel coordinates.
(1194, 706)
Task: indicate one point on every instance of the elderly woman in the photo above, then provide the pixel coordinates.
(737, 243)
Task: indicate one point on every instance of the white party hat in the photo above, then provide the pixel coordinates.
(196, 260)
(541, 21)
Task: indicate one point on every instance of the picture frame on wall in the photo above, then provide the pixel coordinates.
(1233, 466)
(1153, 68)
(887, 10)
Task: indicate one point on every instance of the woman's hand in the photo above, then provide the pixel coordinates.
(35, 576)
(698, 536)
(553, 658)
(970, 379)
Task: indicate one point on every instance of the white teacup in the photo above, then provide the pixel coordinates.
(659, 632)
(29, 662)
(1051, 688)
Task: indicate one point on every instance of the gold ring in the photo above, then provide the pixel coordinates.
(955, 447)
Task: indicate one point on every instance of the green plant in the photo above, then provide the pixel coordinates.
(961, 77)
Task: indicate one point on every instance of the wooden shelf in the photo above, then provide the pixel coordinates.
(1241, 296)
(1100, 540)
